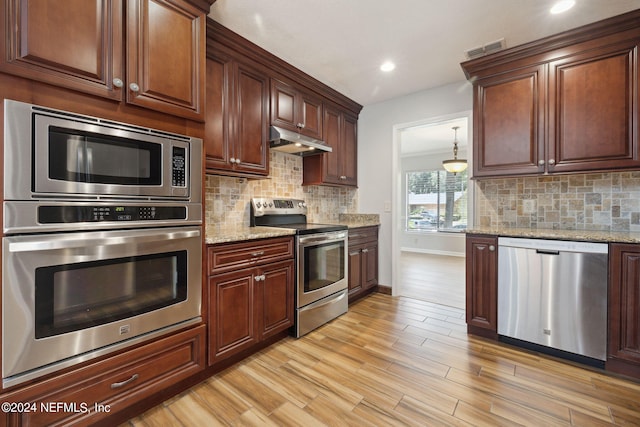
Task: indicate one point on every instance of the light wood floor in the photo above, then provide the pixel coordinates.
(400, 362)
(434, 278)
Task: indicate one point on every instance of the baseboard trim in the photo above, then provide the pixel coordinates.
(383, 289)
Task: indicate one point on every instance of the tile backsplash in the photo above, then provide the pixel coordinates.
(227, 199)
(596, 201)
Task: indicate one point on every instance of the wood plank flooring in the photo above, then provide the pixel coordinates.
(396, 361)
(433, 278)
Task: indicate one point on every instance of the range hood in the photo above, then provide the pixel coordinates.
(286, 141)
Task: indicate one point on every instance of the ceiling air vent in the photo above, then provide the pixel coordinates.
(486, 49)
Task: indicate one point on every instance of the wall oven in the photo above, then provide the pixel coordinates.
(102, 245)
(321, 261)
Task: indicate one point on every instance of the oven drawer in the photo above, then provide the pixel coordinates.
(115, 383)
(233, 256)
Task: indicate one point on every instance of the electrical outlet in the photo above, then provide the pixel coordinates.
(387, 206)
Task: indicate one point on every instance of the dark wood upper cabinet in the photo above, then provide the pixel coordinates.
(340, 166)
(508, 125)
(166, 56)
(237, 117)
(111, 52)
(566, 103)
(296, 110)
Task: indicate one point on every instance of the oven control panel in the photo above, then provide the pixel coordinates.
(72, 214)
(267, 206)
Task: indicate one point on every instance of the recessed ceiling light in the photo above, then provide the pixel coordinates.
(562, 6)
(387, 66)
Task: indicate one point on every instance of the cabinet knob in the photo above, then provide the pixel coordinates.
(238, 161)
(232, 160)
(540, 162)
(260, 278)
(118, 82)
(300, 125)
(364, 251)
(343, 177)
(134, 87)
(552, 162)
(492, 248)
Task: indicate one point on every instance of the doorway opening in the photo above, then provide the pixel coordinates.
(432, 210)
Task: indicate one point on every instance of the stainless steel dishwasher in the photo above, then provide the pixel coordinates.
(554, 293)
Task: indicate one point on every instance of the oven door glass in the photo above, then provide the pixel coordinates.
(324, 265)
(72, 297)
(80, 156)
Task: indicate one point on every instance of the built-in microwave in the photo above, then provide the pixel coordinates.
(58, 154)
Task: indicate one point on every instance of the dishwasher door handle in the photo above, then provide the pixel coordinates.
(546, 252)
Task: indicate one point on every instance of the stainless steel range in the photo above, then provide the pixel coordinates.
(321, 261)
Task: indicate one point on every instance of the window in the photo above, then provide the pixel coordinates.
(436, 200)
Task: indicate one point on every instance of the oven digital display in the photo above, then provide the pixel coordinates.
(76, 214)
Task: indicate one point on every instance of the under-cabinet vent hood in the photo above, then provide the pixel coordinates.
(290, 142)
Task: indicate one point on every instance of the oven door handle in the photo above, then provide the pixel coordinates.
(323, 238)
(99, 239)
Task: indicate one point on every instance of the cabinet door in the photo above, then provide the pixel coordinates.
(349, 151)
(251, 121)
(276, 298)
(216, 126)
(75, 44)
(311, 116)
(166, 57)
(355, 270)
(482, 284)
(593, 109)
(232, 322)
(332, 137)
(624, 309)
(509, 123)
(370, 264)
(283, 105)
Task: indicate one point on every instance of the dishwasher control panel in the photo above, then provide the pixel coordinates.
(554, 245)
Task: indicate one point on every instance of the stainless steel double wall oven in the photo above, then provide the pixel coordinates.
(321, 261)
(102, 243)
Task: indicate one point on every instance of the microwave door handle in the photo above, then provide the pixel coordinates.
(82, 240)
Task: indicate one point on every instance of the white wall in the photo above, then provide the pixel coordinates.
(376, 152)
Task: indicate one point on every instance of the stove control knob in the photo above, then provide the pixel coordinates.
(258, 204)
(270, 204)
(302, 205)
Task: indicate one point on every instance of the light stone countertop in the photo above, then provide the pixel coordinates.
(214, 236)
(578, 235)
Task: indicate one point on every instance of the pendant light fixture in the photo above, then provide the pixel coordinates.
(455, 165)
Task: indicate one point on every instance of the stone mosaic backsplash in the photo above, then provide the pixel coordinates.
(227, 199)
(596, 201)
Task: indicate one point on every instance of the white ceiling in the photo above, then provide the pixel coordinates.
(343, 42)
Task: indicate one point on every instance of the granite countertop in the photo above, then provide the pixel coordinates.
(578, 235)
(213, 235)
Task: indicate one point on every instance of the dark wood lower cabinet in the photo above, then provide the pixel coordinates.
(482, 285)
(363, 261)
(94, 392)
(624, 309)
(250, 304)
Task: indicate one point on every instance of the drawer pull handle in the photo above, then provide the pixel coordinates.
(257, 254)
(125, 382)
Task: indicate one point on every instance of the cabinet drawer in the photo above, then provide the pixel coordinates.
(112, 384)
(233, 256)
(361, 235)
